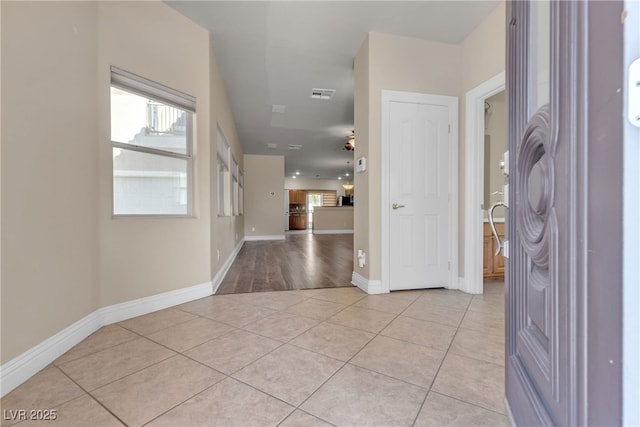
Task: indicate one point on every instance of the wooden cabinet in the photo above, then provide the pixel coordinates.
(493, 265)
(298, 221)
(297, 197)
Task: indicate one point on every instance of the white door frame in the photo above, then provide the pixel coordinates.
(474, 181)
(451, 102)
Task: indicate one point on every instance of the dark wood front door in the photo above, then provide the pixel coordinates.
(564, 74)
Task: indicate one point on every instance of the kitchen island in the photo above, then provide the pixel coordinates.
(333, 220)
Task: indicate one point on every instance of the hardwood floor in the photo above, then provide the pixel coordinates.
(301, 261)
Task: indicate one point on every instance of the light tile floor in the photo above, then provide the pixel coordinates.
(298, 358)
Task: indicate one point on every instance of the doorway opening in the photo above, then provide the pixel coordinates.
(474, 182)
(313, 199)
(495, 145)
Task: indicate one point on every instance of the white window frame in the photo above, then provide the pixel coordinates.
(235, 207)
(138, 85)
(224, 175)
(241, 194)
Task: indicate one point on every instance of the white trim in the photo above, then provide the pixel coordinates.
(266, 237)
(138, 307)
(21, 368)
(452, 103)
(217, 279)
(474, 180)
(128, 81)
(332, 231)
(368, 286)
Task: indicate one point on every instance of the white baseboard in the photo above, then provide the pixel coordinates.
(21, 368)
(332, 231)
(217, 279)
(468, 287)
(266, 237)
(138, 307)
(368, 286)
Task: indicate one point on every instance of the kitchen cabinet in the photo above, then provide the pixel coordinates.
(297, 197)
(493, 265)
(298, 221)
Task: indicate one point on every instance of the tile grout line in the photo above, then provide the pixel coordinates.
(96, 351)
(375, 335)
(87, 393)
(446, 353)
(470, 403)
(281, 310)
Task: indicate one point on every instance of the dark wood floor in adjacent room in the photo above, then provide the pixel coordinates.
(301, 261)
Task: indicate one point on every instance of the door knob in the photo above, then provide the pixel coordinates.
(396, 206)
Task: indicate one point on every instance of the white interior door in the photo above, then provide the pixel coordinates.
(419, 205)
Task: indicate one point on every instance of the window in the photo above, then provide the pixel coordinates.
(151, 139)
(235, 188)
(329, 198)
(241, 195)
(224, 186)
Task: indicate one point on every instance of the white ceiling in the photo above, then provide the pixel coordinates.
(276, 52)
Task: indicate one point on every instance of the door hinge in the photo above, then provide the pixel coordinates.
(449, 265)
(449, 197)
(449, 128)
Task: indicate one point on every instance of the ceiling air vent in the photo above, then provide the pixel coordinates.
(294, 147)
(270, 145)
(322, 93)
(275, 108)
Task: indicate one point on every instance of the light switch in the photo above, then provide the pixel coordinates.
(361, 164)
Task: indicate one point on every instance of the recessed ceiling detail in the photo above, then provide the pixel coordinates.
(271, 145)
(322, 93)
(286, 53)
(294, 147)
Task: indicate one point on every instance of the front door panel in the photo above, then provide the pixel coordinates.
(563, 319)
(540, 326)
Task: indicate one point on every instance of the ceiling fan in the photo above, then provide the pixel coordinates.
(350, 145)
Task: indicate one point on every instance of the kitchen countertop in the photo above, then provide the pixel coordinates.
(495, 219)
(328, 208)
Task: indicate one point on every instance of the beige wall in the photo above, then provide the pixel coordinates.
(483, 51)
(264, 195)
(387, 62)
(140, 256)
(63, 255)
(49, 163)
(402, 64)
(332, 218)
(362, 208)
(226, 232)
